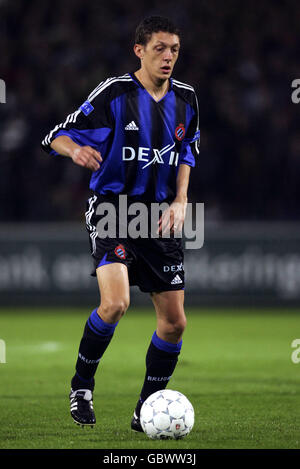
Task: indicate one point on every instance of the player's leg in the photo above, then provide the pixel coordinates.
(165, 346)
(171, 319)
(98, 332)
(114, 293)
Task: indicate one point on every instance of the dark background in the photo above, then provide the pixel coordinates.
(241, 57)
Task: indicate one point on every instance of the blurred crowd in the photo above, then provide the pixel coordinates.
(241, 57)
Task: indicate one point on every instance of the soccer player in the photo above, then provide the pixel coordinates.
(139, 135)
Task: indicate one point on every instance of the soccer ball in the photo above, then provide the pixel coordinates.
(167, 414)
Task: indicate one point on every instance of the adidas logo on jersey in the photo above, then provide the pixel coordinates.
(131, 126)
(176, 280)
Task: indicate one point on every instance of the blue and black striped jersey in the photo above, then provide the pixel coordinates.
(142, 141)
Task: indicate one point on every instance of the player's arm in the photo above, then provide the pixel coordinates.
(82, 155)
(173, 218)
(84, 132)
(182, 183)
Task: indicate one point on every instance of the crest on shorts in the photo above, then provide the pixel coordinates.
(180, 132)
(120, 251)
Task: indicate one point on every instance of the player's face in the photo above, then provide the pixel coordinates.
(160, 54)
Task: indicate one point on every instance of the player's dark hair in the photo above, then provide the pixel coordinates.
(154, 24)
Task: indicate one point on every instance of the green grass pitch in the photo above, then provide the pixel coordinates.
(235, 367)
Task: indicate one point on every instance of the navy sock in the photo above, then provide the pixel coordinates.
(161, 360)
(95, 340)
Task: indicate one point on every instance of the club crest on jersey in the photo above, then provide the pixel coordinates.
(120, 251)
(180, 132)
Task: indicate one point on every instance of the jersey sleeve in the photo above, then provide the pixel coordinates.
(91, 124)
(191, 141)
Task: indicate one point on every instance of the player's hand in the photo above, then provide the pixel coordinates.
(172, 218)
(88, 157)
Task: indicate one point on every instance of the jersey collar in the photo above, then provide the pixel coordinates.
(137, 81)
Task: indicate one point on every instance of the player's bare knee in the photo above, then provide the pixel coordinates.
(177, 322)
(111, 311)
(179, 326)
(173, 329)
